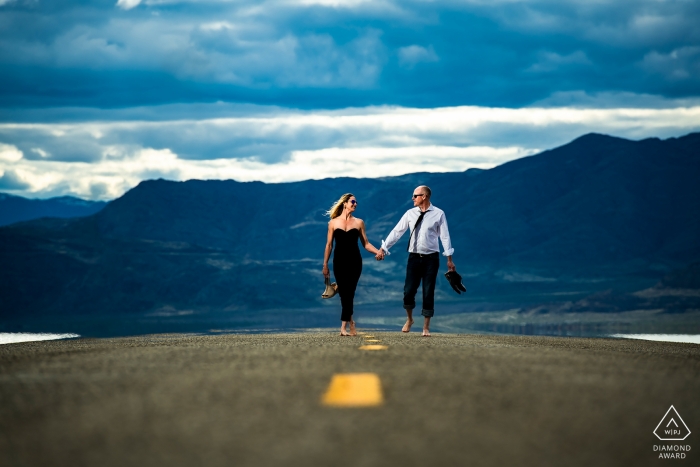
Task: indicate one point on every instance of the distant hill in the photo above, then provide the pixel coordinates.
(17, 209)
(596, 214)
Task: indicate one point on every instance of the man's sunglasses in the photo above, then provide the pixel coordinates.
(416, 196)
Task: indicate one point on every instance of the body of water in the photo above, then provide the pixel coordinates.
(13, 337)
(685, 338)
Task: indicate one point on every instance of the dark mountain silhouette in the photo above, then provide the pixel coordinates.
(17, 209)
(677, 292)
(600, 213)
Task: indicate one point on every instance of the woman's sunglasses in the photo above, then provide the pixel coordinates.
(352, 201)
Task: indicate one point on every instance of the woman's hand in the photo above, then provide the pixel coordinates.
(326, 272)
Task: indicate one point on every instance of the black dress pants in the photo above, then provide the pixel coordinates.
(421, 268)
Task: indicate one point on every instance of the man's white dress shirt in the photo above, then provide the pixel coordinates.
(425, 237)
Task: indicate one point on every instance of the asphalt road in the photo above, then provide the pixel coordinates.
(256, 400)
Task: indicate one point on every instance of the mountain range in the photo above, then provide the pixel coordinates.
(598, 214)
(15, 209)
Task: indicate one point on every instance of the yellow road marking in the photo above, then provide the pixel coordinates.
(368, 336)
(354, 390)
(372, 340)
(374, 347)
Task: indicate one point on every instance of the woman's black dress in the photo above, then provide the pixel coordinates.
(347, 267)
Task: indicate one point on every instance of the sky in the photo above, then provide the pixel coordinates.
(96, 96)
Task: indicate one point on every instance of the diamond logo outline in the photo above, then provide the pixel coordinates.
(679, 418)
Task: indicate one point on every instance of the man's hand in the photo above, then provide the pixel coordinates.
(450, 265)
(380, 255)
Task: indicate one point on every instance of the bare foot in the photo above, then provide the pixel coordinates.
(407, 326)
(353, 331)
(426, 333)
(344, 333)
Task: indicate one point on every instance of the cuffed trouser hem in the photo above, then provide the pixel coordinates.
(409, 307)
(427, 313)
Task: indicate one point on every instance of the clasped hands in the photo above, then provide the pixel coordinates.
(380, 256)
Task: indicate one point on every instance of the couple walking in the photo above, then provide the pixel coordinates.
(426, 224)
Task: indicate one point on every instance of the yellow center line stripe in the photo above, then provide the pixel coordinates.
(367, 336)
(354, 390)
(374, 347)
(372, 340)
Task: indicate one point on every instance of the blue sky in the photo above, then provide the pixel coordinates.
(98, 95)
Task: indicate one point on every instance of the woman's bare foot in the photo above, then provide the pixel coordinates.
(407, 326)
(426, 332)
(353, 331)
(343, 332)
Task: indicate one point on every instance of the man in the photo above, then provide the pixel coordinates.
(426, 223)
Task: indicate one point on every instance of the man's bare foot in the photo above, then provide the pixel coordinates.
(353, 331)
(407, 326)
(426, 333)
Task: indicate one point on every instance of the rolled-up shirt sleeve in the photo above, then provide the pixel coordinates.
(445, 237)
(395, 234)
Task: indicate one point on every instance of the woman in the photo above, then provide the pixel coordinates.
(347, 261)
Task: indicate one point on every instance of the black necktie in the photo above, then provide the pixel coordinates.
(420, 219)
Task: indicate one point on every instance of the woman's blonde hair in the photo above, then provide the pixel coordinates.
(338, 206)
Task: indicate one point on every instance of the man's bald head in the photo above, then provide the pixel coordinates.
(425, 190)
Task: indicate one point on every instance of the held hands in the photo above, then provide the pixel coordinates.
(380, 255)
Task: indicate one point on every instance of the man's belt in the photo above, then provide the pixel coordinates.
(424, 255)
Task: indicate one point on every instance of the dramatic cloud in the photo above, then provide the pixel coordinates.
(678, 65)
(413, 54)
(95, 95)
(101, 159)
(342, 53)
(128, 4)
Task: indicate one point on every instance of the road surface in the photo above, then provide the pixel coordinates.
(263, 400)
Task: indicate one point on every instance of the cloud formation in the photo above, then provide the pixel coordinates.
(96, 96)
(102, 158)
(414, 54)
(128, 4)
(342, 53)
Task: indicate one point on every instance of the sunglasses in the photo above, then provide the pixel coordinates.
(416, 196)
(353, 202)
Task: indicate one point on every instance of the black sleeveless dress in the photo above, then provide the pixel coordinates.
(347, 267)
